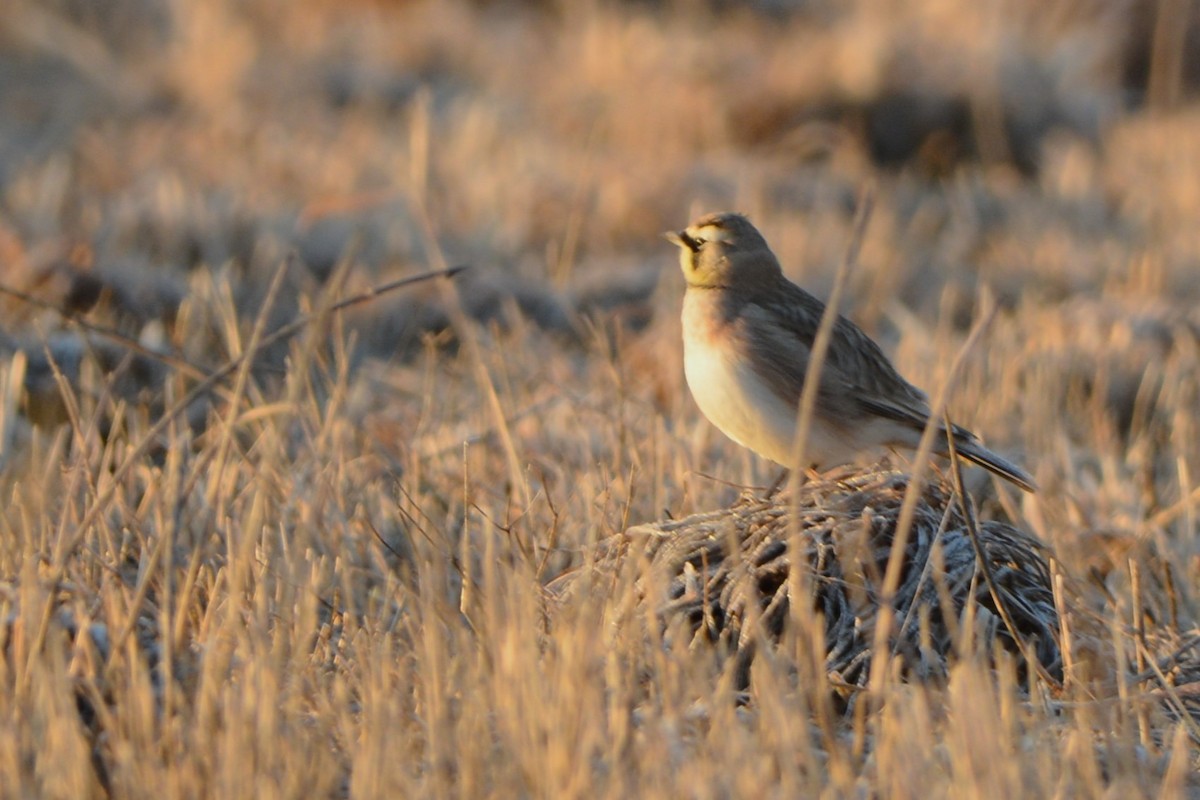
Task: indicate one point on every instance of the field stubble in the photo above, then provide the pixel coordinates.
(328, 574)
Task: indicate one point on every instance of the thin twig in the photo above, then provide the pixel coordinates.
(197, 371)
(112, 334)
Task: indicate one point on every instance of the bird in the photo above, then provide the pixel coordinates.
(748, 334)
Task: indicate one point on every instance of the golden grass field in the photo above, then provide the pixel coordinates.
(328, 570)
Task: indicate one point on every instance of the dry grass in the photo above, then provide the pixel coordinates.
(327, 574)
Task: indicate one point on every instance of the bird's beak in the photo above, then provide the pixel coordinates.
(681, 239)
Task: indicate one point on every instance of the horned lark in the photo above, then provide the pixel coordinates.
(747, 333)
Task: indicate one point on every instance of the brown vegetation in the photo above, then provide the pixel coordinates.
(337, 570)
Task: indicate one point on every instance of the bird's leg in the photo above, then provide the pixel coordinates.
(775, 484)
(810, 474)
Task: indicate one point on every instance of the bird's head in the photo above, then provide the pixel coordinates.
(721, 250)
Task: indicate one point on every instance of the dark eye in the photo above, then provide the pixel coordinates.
(698, 241)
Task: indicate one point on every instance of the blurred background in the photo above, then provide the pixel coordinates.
(1033, 144)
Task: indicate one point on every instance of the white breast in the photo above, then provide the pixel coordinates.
(737, 402)
(743, 406)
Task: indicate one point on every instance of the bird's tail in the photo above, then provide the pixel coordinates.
(978, 454)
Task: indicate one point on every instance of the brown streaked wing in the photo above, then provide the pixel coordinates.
(780, 358)
(859, 362)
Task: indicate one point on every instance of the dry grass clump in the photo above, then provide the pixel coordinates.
(726, 577)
